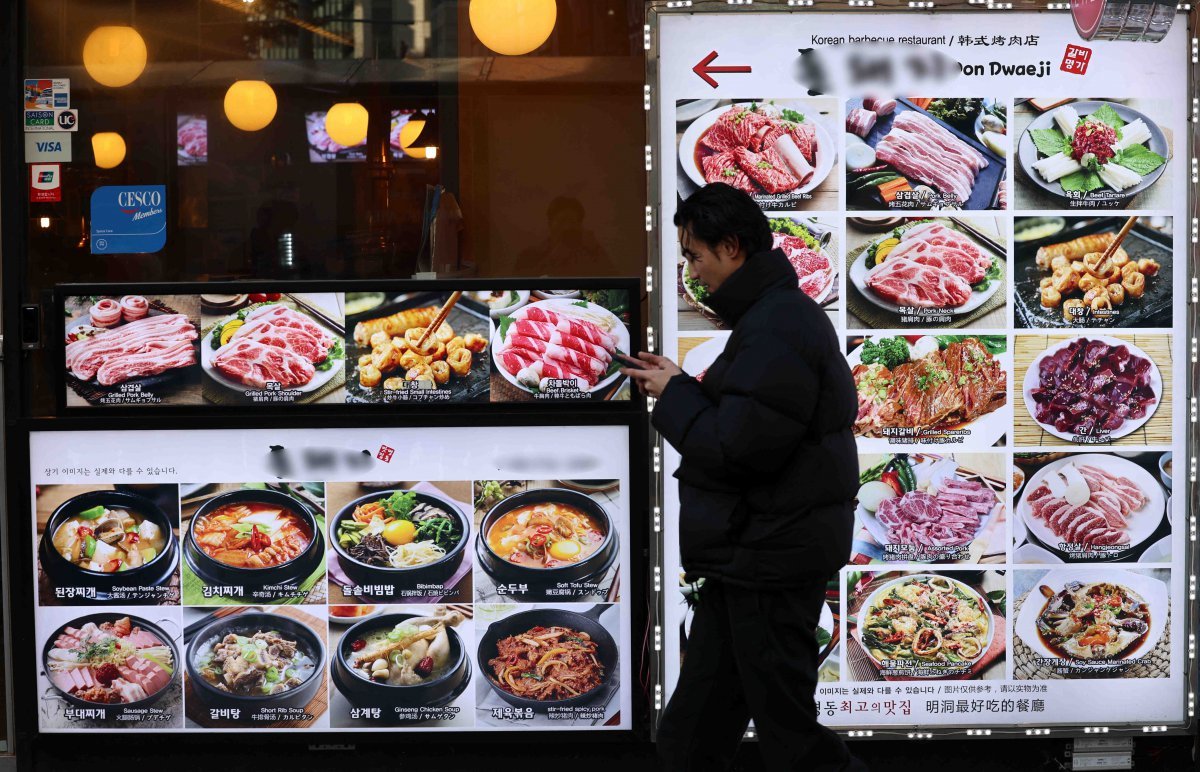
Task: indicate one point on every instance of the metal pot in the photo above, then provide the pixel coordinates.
(99, 618)
(587, 622)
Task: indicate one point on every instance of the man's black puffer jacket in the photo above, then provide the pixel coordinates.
(769, 466)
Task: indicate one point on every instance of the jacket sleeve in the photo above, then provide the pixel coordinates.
(766, 405)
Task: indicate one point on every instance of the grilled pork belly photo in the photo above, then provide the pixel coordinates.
(922, 153)
(130, 348)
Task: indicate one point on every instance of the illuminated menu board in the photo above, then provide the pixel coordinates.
(316, 579)
(316, 347)
(946, 186)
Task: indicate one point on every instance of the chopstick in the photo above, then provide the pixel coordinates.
(614, 590)
(437, 322)
(329, 321)
(988, 242)
(220, 613)
(467, 611)
(1116, 243)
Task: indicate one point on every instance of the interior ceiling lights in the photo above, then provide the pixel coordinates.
(513, 27)
(114, 56)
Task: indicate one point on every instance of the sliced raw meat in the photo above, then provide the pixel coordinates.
(296, 339)
(942, 236)
(880, 106)
(947, 258)
(256, 365)
(1089, 388)
(151, 335)
(907, 283)
(860, 121)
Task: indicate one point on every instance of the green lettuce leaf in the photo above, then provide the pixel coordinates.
(1050, 141)
(1139, 159)
(1106, 114)
(1082, 181)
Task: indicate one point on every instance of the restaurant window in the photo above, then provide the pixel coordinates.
(456, 161)
(528, 165)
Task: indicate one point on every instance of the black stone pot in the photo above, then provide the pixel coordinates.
(540, 580)
(64, 573)
(436, 693)
(402, 578)
(248, 624)
(215, 573)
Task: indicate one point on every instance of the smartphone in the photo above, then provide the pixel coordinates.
(629, 361)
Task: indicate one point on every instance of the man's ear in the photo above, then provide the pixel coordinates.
(729, 248)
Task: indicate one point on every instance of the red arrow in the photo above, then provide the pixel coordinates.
(703, 69)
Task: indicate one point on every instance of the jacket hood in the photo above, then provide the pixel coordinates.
(760, 274)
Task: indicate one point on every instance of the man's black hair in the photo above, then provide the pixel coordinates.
(719, 211)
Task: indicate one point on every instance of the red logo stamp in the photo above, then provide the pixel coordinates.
(385, 454)
(1075, 60)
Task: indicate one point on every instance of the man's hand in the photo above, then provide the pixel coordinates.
(652, 374)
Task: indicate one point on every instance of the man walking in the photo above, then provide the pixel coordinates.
(767, 479)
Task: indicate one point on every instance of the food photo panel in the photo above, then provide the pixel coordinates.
(1081, 623)
(1093, 153)
(944, 272)
(926, 153)
(950, 391)
(1088, 389)
(1092, 508)
(1063, 279)
(909, 626)
(402, 666)
(546, 666)
(132, 350)
(782, 152)
(110, 668)
(930, 508)
(271, 348)
(253, 543)
(400, 542)
(547, 540)
(810, 243)
(394, 356)
(108, 544)
(252, 667)
(560, 344)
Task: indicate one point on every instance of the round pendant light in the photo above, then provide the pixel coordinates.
(114, 56)
(513, 27)
(409, 133)
(250, 105)
(346, 123)
(109, 149)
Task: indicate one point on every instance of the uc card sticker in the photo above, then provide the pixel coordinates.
(129, 219)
